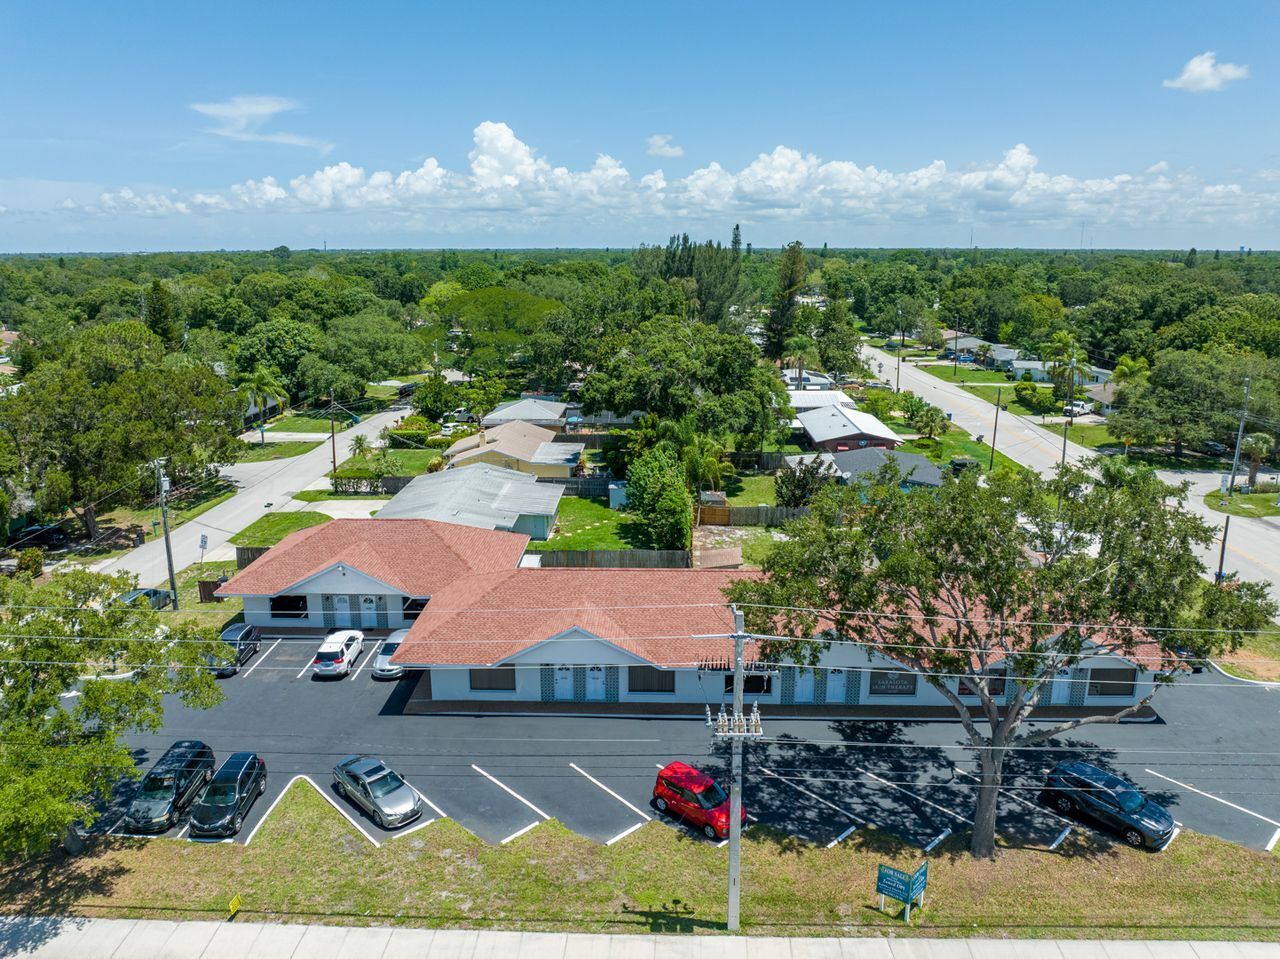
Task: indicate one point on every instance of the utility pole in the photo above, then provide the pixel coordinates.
(1071, 398)
(736, 728)
(333, 441)
(1235, 460)
(902, 342)
(1222, 553)
(955, 352)
(162, 482)
(994, 430)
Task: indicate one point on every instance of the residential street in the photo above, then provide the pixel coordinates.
(264, 487)
(1253, 545)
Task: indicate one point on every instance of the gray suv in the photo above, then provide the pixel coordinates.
(378, 790)
(1076, 787)
(170, 786)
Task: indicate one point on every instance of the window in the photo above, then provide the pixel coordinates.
(753, 684)
(503, 677)
(412, 606)
(650, 679)
(892, 682)
(288, 607)
(1112, 682)
(995, 685)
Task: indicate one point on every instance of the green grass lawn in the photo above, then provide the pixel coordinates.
(747, 490)
(967, 374)
(320, 495)
(117, 525)
(1091, 435)
(261, 452)
(1007, 398)
(294, 423)
(408, 462)
(1257, 658)
(757, 546)
(1243, 504)
(956, 443)
(207, 614)
(590, 524)
(308, 864)
(270, 529)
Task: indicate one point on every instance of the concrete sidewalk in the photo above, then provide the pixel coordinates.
(149, 939)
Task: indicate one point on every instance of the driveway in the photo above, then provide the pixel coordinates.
(263, 488)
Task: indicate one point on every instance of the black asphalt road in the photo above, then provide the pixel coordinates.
(1211, 756)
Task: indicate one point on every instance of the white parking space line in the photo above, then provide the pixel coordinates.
(71, 695)
(944, 809)
(643, 815)
(1275, 838)
(625, 833)
(302, 672)
(414, 828)
(1169, 842)
(844, 812)
(509, 791)
(1201, 792)
(438, 811)
(843, 836)
(275, 802)
(248, 672)
(1023, 800)
(345, 815)
(367, 656)
(518, 833)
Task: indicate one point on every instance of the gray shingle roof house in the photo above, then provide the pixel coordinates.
(483, 496)
(851, 465)
(539, 412)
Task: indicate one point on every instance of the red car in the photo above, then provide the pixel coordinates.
(694, 796)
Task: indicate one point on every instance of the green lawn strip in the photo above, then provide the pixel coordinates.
(321, 495)
(957, 443)
(1257, 658)
(291, 423)
(377, 392)
(966, 374)
(189, 594)
(270, 529)
(590, 524)
(758, 545)
(745, 490)
(307, 864)
(408, 462)
(1092, 435)
(261, 452)
(1243, 504)
(1007, 398)
(183, 506)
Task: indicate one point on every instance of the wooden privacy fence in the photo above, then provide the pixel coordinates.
(588, 487)
(617, 558)
(247, 554)
(749, 515)
(755, 460)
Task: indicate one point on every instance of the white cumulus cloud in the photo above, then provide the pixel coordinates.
(1203, 73)
(243, 118)
(660, 145)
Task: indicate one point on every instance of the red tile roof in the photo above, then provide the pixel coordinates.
(669, 617)
(418, 557)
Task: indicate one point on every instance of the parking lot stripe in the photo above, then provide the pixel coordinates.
(303, 671)
(1275, 838)
(944, 809)
(1024, 801)
(937, 839)
(642, 815)
(270, 649)
(1247, 812)
(625, 833)
(1169, 842)
(1066, 831)
(843, 836)
(511, 792)
(275, 802)
(414, 828)
(438, 811)
(367, 656)
(518, 833)
(345, 815)
(811, 795)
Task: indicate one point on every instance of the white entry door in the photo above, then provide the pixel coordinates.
(342, 610)
(564, 682)
(804, 685)
(595, 683)
(368, 611)
(836, 680)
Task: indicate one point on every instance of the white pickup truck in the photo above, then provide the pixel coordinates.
(1077, 408)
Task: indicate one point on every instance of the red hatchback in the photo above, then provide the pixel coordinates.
(694, 796)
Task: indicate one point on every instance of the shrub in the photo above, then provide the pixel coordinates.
(670, 526)
(402, 439)
(355, 480)
(31, 562)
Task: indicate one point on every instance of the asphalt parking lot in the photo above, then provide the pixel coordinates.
(820, 780)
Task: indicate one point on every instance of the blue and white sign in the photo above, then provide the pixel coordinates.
(906, 887)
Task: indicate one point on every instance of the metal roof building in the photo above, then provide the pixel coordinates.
(483, 496)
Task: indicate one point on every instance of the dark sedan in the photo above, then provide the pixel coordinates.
(221, 809)
(1076, 787)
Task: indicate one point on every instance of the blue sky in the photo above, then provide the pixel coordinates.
(383, 125)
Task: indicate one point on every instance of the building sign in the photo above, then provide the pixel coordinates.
(892, 682)
(905, 887)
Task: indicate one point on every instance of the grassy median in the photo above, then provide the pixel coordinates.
(307, 864)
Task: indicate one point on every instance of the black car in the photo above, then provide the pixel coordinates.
(244, 642)
(170, 786)
(51, 535)
(1119, 805)
(151, 596)
(222, 806)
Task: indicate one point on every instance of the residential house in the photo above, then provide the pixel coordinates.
(518, 446)
(370, 573)
(1042, 372)
(807, 380)
(575, 419)
(480, 495)
(1104, 395)
(536, 410)
(835, 428)
(850, 467)
(809, 399)
(1001, 358)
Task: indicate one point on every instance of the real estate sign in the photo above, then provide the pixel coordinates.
(903, 886)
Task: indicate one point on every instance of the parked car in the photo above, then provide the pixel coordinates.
(695, 797)
(151, 596)
(49, 535)
(1077, 787)
(461, 415)
(960, 464)
(448, 429)
(221, 809)
(1213, 447)
(170, 786)
(244, 641)
(378, 790)
(338, 653)
(1077, 408)
(382, 668)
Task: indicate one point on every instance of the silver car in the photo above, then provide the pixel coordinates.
(338, 653)
(378, 790)
(382, 667)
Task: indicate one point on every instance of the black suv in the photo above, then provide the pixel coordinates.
(1110, 800)
(222, 807)
(244, 641)
(170, 786)
(49, 536)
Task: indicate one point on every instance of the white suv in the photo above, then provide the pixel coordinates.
(338, 653)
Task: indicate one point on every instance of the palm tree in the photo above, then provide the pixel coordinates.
(1255, 446)
(1130, 370)
(1062, 353)
(800, 353)
(360, 446)
(931, 423)
(262, 387)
